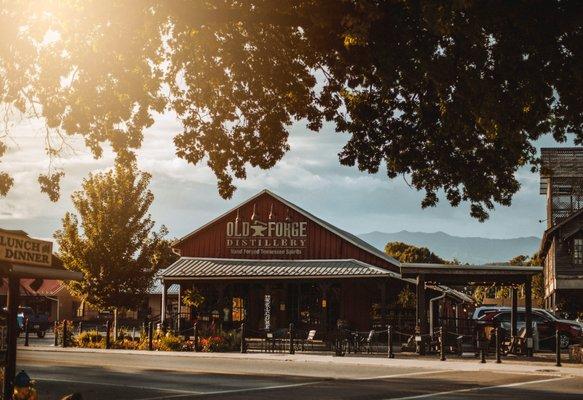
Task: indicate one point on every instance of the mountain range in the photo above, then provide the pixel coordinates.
(473, 250)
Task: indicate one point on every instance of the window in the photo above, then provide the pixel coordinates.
(238, 309)
(539, 319)
(578, 251)
(502, 317)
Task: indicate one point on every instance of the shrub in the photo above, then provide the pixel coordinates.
(70, 338)
(224, 341)
(127, 344)
(169, 342)
(90, 339)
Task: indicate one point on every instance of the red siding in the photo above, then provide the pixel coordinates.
(211, 241)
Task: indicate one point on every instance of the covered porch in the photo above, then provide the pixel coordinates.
(471, 275)
(268, 295)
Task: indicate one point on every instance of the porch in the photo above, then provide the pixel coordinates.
(269, 295)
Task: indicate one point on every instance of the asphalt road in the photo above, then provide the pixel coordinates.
(148, 377)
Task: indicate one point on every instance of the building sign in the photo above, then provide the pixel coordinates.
(20, 249)
(267, 238)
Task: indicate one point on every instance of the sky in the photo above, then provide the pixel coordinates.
(309, 175)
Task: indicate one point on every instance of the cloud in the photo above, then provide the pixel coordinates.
(309, 175)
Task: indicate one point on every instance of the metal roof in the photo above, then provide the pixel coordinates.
(550, 232)
(472, 269)
(156, 288)
(349, 237)
(447, 274)
(214, 268)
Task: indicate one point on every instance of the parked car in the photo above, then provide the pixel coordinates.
(480, 311)
(546, 324)
(37, 323)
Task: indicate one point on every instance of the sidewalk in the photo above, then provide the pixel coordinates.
(514, 365)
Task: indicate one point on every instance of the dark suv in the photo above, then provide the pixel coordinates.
(546, 324)
(37, 323)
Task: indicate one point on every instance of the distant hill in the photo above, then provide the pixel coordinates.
(473, 250)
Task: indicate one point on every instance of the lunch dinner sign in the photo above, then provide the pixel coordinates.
(21, 249)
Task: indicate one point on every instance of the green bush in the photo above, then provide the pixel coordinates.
(70, 339)
(127, 344)
(222, 341)
(169, 342)
(89, 339)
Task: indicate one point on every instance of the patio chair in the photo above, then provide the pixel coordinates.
(309, 339)
(517, 345)
(269, 342)
(369, 341)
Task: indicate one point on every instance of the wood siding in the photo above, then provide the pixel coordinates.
(211, 240)
(563, 250)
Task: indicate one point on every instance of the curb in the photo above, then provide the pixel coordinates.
(508, 366)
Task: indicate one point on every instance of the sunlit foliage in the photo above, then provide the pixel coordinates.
(449, 94)
(110, 239)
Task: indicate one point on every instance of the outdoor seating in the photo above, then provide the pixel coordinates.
(517, 344)
(369, 341)
(309, 339)
(269, 342)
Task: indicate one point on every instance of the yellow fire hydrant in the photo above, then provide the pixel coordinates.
(24, 387)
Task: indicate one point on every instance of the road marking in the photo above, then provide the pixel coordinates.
(254, 389)
(401, 375)
(476, 389)
(183, 392)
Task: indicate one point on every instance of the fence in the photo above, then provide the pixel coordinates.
(451, 336)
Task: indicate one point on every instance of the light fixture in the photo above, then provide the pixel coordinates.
(254, 215)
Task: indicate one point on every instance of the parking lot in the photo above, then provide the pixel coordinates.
(105, 375)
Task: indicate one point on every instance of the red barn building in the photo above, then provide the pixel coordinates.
(270, 263)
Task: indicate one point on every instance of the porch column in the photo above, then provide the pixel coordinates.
(528, 315)
(384, 319)
(178, 318)
(163, 304)
(513, 312)
(221, 303)
(324, 287)
(421, 313)
(457, 318)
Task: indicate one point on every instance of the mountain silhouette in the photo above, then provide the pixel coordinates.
(473, 250)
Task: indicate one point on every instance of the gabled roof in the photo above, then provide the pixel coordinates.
(14, 231)
(349, 237)
(217, 268)
(549, 233)
(34, 287)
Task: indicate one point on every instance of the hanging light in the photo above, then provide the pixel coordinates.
(237, 217)
(271, 212)
(287, 218)
(254, 215)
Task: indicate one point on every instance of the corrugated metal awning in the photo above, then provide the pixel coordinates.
(157, 288)
(215, 268)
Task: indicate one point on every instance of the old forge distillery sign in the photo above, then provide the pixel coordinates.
(273, 238)
(20, 249)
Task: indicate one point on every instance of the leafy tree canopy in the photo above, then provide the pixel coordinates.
(111, 240)
(538, 290)
(407, 253)
(450, 94)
